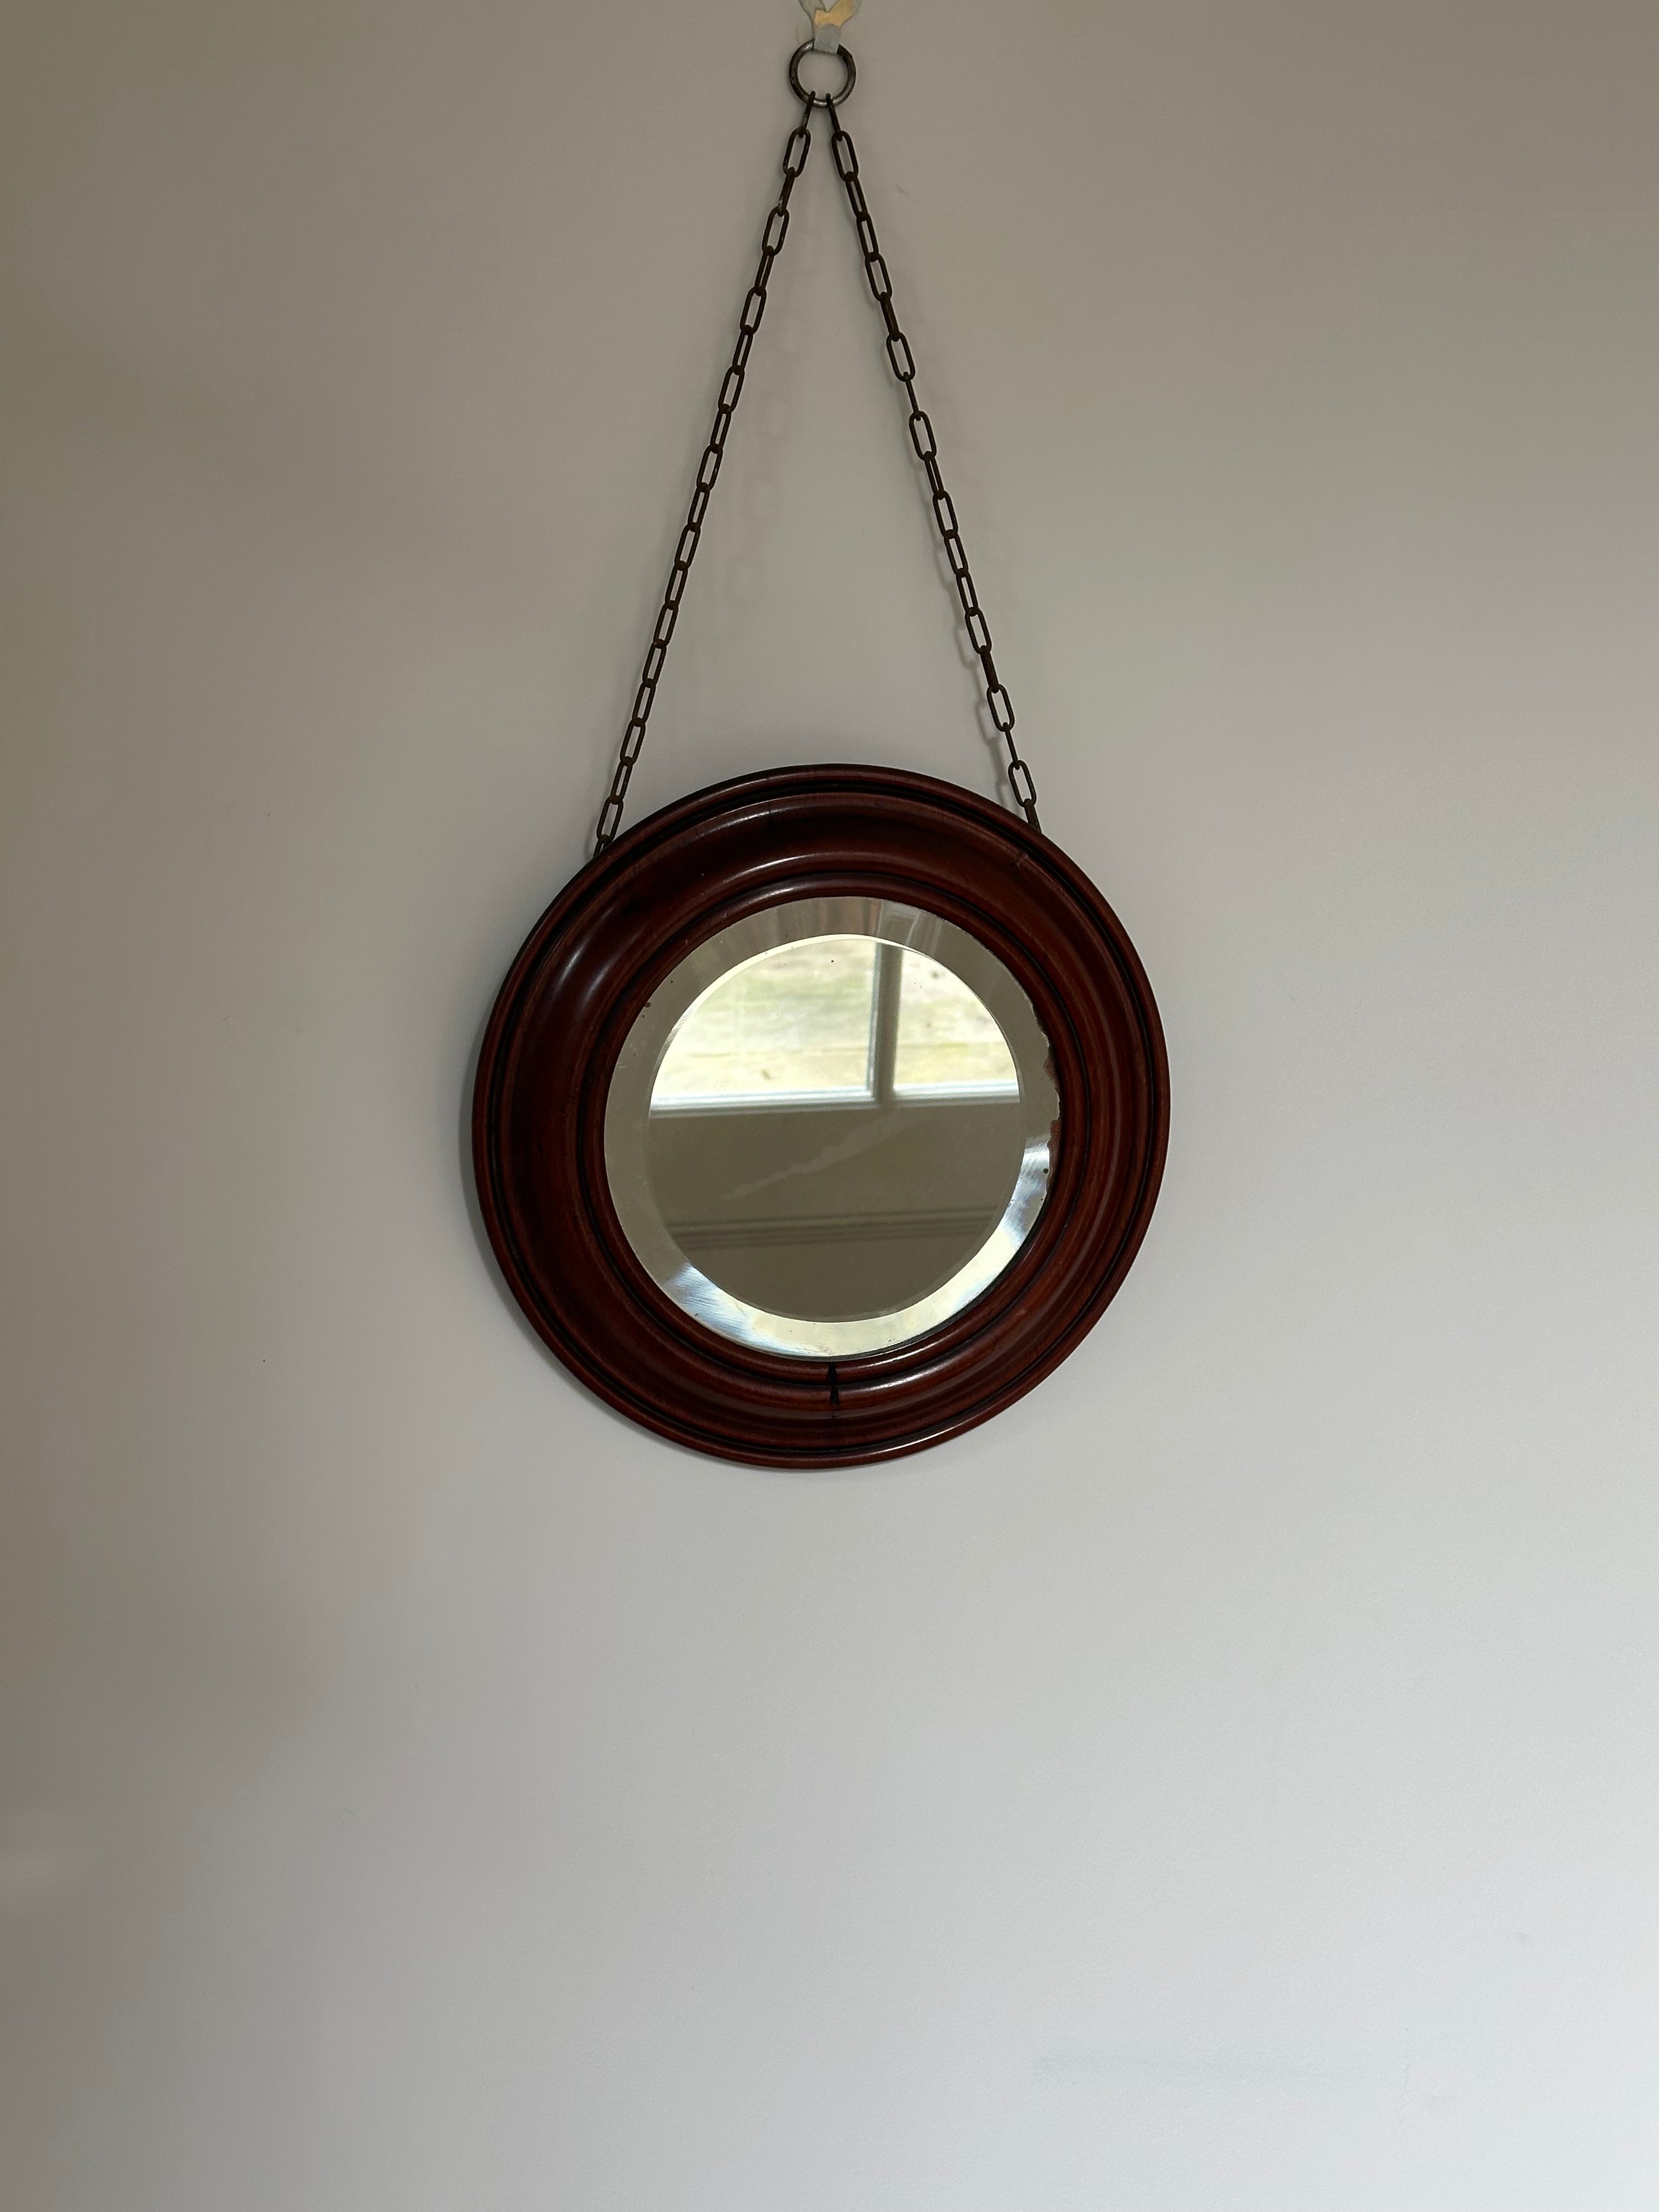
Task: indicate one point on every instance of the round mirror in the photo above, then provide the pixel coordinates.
(832, 1127)
(821, 1115)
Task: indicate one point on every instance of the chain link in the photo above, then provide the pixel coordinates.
(795, 152)
(1020, 780)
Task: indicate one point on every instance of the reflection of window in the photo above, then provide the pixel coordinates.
(842, 1019)
(794, 1022)
(947, 1041)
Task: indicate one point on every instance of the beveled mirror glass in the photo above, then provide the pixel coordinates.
(831, 1127)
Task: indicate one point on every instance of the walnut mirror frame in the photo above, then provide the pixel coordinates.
(569, 1048)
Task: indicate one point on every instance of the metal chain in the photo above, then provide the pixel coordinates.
(795, 152)
(1021, 781)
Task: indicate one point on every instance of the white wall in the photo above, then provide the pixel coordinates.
(1228, 1781)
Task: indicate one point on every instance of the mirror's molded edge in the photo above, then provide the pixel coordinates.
(626, 921)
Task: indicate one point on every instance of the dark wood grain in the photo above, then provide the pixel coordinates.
(626, 921)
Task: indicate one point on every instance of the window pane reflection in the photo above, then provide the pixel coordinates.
(946, 1039)
(794, 1022)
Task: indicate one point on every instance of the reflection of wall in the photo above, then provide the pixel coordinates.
(836, 1213)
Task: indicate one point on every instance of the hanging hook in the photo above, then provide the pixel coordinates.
(829, 23)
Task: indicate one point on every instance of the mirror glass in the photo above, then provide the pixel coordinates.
(832, 1127)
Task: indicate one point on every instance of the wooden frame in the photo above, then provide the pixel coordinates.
(620, 928)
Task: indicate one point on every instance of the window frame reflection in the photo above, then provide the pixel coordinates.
(881, 1086)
